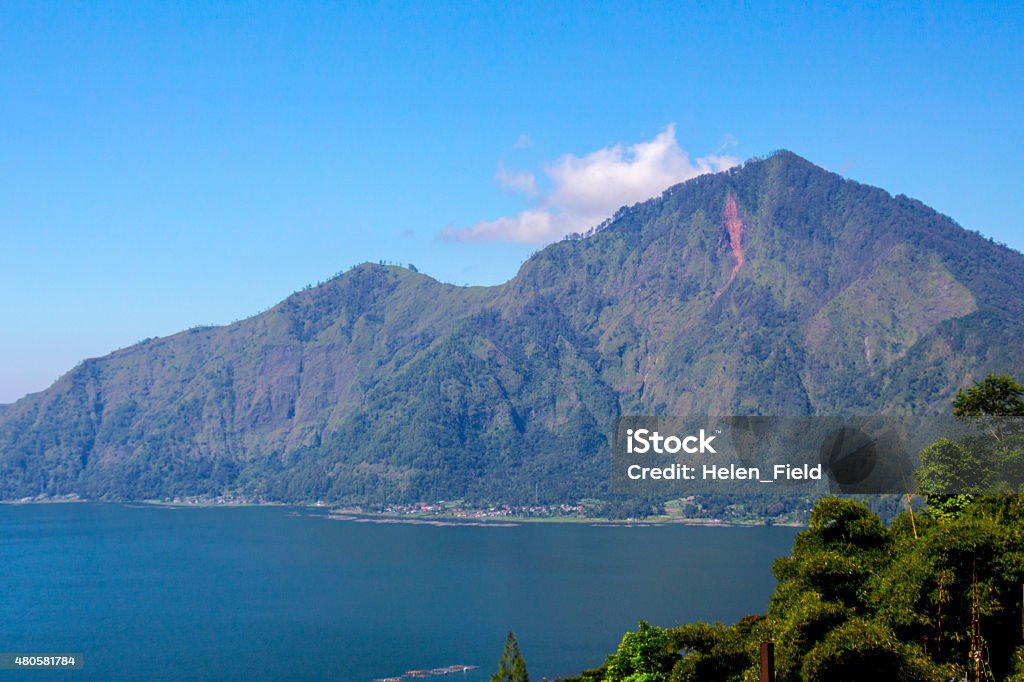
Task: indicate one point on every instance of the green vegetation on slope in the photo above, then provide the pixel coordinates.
(383, 385)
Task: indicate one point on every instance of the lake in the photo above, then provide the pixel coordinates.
(273, 593)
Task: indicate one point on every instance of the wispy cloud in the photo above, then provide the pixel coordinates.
(526, 183)
(585, 190)
(523, 142)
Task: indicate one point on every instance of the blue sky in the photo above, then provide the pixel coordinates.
(166, 165)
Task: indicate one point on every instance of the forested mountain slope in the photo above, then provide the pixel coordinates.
(774, 288)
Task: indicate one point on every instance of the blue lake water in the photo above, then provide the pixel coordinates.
(273, 593)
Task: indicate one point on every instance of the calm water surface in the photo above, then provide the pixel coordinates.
(272, 593)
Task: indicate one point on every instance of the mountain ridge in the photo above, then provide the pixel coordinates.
(775, 287)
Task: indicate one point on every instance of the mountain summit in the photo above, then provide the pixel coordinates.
(773, 288)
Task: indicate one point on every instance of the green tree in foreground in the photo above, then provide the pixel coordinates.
(512, 667)
(997, 395)
(643, 656)
(976, 465)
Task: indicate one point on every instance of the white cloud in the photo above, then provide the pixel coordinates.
(586, 190)
(525, 183)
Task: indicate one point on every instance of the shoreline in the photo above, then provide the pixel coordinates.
(361, 516)
(64, 499)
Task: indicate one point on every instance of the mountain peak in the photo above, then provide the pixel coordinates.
(789, 156)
